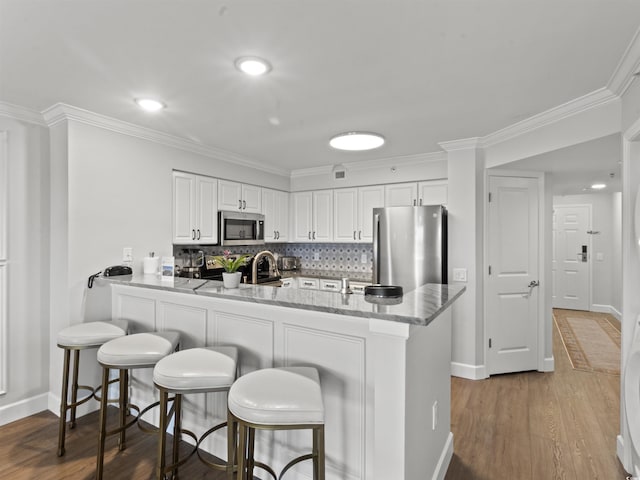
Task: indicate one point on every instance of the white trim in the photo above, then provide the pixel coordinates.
(444, 460)
(4, 349)
(22, 113)
(610, 309)
(470, 372)
(548, 364)
(553, 115)
(461, 144)
(629, 64)
(53, 403)
(61, 112)
(23, 408)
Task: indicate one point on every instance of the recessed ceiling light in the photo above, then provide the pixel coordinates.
(356, 141)
(254, 66)
(149, 104)
(598, 186)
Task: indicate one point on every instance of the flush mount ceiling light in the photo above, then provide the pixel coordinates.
(149, 104)
(357, 141)
(253, 66)
(598, 186)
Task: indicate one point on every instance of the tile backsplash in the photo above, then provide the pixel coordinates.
(340, 257)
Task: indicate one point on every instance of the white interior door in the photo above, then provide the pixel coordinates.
(571, 256)
(513, 248)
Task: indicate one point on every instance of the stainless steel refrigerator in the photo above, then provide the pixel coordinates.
(410, 246)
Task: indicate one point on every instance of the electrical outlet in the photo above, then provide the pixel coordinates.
(459, 274)
(363, 258)
(127, 256)
(316, 256)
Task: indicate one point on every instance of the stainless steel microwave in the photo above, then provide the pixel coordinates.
(237, 228)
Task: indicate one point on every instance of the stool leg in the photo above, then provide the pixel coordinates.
(177, 420)
(162, 432)
(318, 453)
(63, 402)
(242, 453)
(74, 387)
(250, 450)
(103, 423)
(124, 403)
(232, 438)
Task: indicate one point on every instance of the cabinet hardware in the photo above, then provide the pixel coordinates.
(198, 234)
(239, 204)
(278, 237)
(489, 343)
(354, 234)
(275, 235)
(414, 202)
(360, 235)
(420, 201)
(193, 234)
(309, 235)
(244, 204)
(314, 236)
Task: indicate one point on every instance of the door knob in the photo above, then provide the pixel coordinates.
(532, 284)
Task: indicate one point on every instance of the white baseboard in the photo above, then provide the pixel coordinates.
(53, 405)
(606, 309)
(471, 372)
(549, 364)
(23, 408)
(444, 460)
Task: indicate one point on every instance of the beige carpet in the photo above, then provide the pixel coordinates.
(592, 340)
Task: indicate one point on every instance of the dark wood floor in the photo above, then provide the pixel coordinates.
(528, 426)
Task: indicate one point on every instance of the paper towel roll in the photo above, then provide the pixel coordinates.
(151, 265)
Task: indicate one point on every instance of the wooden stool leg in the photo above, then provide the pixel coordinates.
(103, 423)
(177, 420)
(74, 387)
(124, 404)
(63, 402)
(162, 435)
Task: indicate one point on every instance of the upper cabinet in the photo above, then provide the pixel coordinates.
(275, 206)
(312, 216)
(432, 192)
(239, 197)
(353, 212)
(195, 209)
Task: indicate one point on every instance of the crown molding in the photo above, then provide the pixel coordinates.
(398, 161)
(628, 66)
(22, 113)
(463, 144)
(573, 107)
(63, 112)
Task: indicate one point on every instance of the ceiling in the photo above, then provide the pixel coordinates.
(418, 72)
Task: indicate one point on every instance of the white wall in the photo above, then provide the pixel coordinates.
(602, 272)
(28, 269)
(616, 283)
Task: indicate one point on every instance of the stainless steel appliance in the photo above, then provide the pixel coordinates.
(237, 228)
(410, 246)
(286, 263)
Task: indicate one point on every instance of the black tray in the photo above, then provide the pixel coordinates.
(385, 291)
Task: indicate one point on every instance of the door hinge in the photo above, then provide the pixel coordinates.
(489, 343)
(489, 197)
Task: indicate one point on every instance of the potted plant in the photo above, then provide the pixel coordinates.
(231, 264)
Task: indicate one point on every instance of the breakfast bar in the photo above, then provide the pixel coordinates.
(384, 366)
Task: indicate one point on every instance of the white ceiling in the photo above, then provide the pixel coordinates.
(418, 72)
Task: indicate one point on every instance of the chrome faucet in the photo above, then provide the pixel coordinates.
(256, 259)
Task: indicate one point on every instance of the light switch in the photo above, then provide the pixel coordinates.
(363, 258)
(316, 256)
(459, 274)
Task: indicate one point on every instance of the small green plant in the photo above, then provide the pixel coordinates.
(231, 263)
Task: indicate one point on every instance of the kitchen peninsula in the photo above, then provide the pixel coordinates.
(384, 366)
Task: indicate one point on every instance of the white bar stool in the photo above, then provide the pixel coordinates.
(141, 350)
(74, 338)
(277, 399)
(196, 370)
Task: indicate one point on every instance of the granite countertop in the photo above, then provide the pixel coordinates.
(418, 307)
(352, 275)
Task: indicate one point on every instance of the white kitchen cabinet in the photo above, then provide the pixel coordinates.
(239, 197)
(275, 206)
(195, 209)
(353, 212)
(312, 216)
(308, 283)
(431, 192)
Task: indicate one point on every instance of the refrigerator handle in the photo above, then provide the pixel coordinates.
(376, 248)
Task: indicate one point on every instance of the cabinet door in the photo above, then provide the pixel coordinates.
(251, 199)
(184, 208)
(345, 214)
(207, 210)
(282, 216)
(229, 195)
(432, 192)
(368, 199)
(302, 203)
(269, 210)
(400, 194)
(322, 216)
